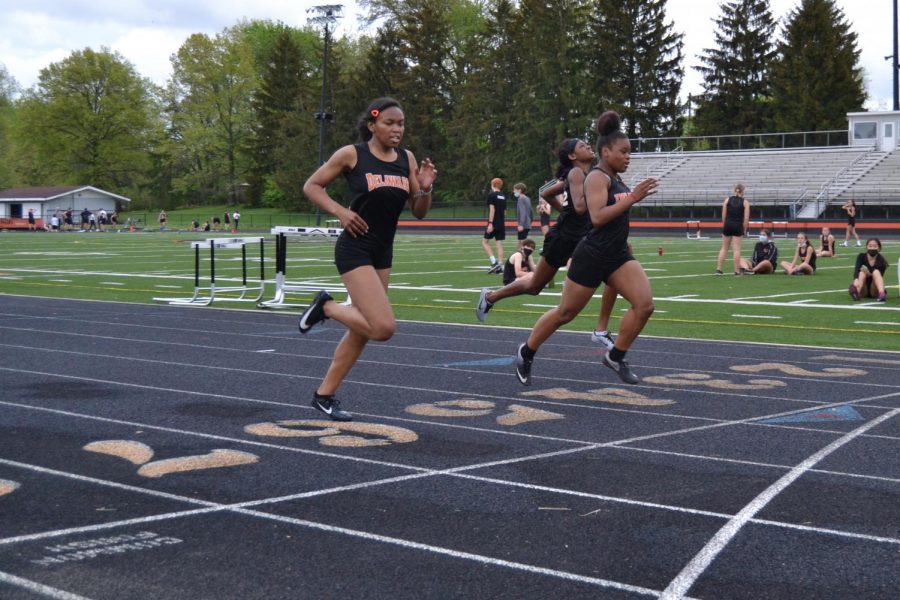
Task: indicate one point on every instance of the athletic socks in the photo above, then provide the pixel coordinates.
(528, 353)
(617, 355)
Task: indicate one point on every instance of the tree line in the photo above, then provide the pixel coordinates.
(489, 87)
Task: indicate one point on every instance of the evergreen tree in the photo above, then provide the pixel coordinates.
(636, 65)
(736, 89)
(279, 98)
(817, 79)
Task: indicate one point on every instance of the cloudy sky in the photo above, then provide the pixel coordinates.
(35, 33)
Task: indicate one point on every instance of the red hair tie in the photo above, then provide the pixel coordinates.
(375, 113)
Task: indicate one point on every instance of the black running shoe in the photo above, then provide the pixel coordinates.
(622, 370)
(497, 268)
(483, 306)
(315, 312)
(331, 406)
(523, 367)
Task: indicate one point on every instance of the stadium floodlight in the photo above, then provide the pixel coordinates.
(325, 15)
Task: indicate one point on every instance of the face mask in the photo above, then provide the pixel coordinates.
(527, 252)
(516, 194)
(763, 239)
(872, 253)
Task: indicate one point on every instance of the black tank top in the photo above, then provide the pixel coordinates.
(571, 224)
(612, 238)
(380, 191)
(734, 211)
(826, 245)
(802, 255)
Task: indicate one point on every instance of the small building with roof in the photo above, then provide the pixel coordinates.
(47, 201)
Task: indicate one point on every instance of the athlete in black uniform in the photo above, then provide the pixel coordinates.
(575, 159)
(735, 220)
(520, 265)
(496, 225)
(826, 240)
(383, 179)
(850, 207)
(804, 261)
(602, 256)
(869, 272)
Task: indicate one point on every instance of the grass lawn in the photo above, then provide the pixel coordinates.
(438, 277)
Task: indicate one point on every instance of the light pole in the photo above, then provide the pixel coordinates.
(896, 65)
(327, 15)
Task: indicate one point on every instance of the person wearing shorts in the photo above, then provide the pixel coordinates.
(496, 225)
(383, 178)
(575, 159)
(602, 256)
(869, 272)
(850, 208)
(544, 210)
(735, 220)
(804, 261)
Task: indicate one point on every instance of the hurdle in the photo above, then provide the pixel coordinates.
(693, 230)
(205, 295)
(780, 229)
(282, 286)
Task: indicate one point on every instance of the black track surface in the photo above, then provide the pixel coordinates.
(731, 471)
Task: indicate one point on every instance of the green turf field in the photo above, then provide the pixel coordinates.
(438, 277)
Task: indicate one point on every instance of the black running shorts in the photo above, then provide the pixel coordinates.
(521, 235)
(558, 248)
(732, 229)
(499, 233)
(590, 267)
(354, 252)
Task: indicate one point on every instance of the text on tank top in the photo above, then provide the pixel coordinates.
(612, 236)
(380, 191)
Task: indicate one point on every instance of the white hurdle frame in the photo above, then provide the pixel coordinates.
(201, 299)
(282, 286)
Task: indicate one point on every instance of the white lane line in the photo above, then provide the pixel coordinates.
(39, 588)
(60, 280)
(451, 301)
(478, 558)
(755, 316)
(695, 568)
(541, 305)
(269, 350)
(111, 283)
(877, 323)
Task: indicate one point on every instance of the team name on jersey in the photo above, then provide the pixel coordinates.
(375, 181)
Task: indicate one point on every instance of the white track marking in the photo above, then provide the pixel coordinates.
(756, 317)
(39, 588)
(877, 323)
(695, 568)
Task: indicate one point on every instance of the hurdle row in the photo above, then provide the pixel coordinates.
(206, 293)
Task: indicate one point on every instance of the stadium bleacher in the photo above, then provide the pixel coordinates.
(773, 177)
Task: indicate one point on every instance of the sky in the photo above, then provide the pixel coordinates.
(36, 33)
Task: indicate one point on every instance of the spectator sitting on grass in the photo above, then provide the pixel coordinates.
(827, 240)
(765, 256)
(868, 274)
(520, 265)
(804, 261)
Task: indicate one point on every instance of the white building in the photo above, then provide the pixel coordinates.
(878, 129)
(45, 201)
